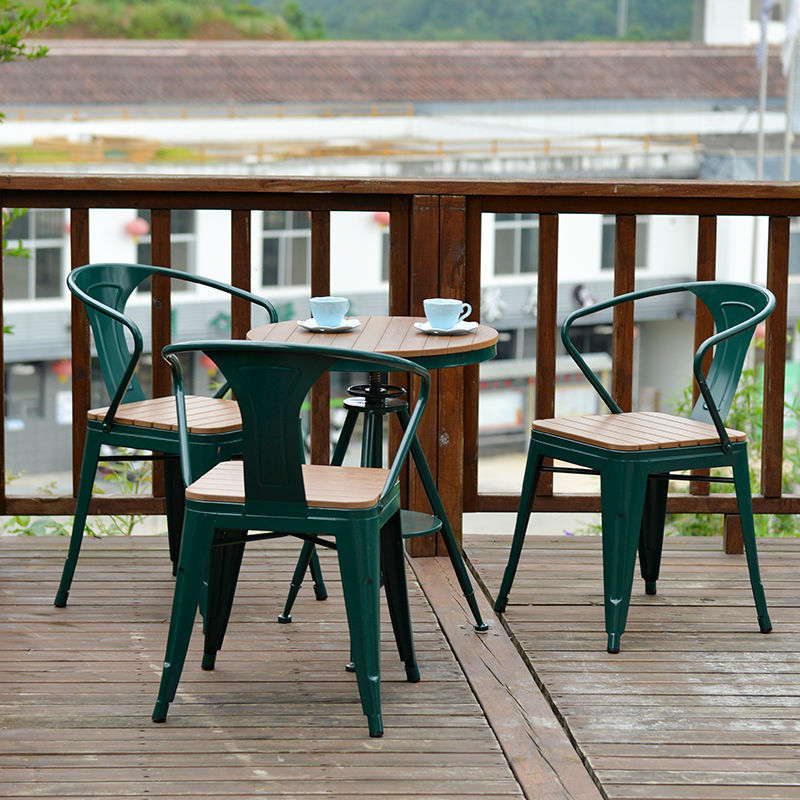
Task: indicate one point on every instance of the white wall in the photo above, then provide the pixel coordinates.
(726, 21)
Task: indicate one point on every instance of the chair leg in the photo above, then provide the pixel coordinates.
(320, 592)
(174, 501)
(223, 572)
(306, 553)
(91, 454)
(530, 481)
(393, 567)
(192, 566)
(622, 491)
(741, 476)
(651, 537)
(359, 564)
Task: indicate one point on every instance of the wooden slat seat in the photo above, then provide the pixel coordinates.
(205, 414)
(326, 487)
(636, 430)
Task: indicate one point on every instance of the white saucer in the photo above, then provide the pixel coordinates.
(310, 324)
(459, 329)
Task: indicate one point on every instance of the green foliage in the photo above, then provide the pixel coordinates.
(189, 19)
(20, 19)
(509, 20)
(122, 477)
(9, 215)
(746, 415)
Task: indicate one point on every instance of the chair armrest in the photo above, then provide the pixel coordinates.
(234, 291)
(183, 427)
(602, 306)
(137, 349)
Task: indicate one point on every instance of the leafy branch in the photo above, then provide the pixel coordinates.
(20, 19)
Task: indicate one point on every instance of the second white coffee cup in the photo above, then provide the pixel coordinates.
(445, 313)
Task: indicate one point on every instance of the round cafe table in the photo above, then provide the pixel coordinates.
(396, 336)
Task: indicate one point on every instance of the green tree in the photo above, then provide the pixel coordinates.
(20, 19)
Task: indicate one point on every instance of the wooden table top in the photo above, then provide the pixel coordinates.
(395, 336)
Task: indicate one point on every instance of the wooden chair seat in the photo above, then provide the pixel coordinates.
(325, 487)
(205, 414)
(636, 430)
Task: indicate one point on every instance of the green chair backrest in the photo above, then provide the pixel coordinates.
(733, 306)
(737, 308)
(270, 381)
(104, 290)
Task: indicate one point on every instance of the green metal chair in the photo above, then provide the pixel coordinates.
(635, 453)
(131, 421)
(356, 510)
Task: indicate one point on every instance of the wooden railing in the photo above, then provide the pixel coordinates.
(435, 238)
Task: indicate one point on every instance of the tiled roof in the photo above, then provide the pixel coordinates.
(153, 72)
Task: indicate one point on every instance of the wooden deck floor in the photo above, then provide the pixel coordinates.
(698, 704)
(278, 718)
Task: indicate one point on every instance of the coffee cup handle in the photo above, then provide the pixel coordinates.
(466, 312)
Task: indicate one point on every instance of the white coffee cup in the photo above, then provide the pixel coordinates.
(444, 313)
(328, 312)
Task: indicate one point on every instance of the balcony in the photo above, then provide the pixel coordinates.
(698, 704)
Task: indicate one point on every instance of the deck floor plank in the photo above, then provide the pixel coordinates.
(697, 704)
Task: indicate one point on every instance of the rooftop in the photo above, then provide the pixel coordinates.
(246, 72)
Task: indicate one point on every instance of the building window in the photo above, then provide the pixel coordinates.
(39, 272)
(24, 391)
(516, 244)
(182, 244)
(286, 249)
(386, 249)
(609, 235)
(794, 246)
(777, 12)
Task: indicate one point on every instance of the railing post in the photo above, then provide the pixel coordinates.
(438, 269)
(424, 282)
(451, 398)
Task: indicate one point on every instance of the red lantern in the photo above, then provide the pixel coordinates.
(62, 368)
(137, 227)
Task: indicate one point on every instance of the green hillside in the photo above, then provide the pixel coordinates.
(532, 20)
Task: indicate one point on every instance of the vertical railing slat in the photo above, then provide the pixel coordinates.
(320, 286)
(775, 359)
(2, 372)
(80, 345)
(703, 321)
(624, 281)
(241, 310)
(546, 329)
(160, 318)
(471, 388)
